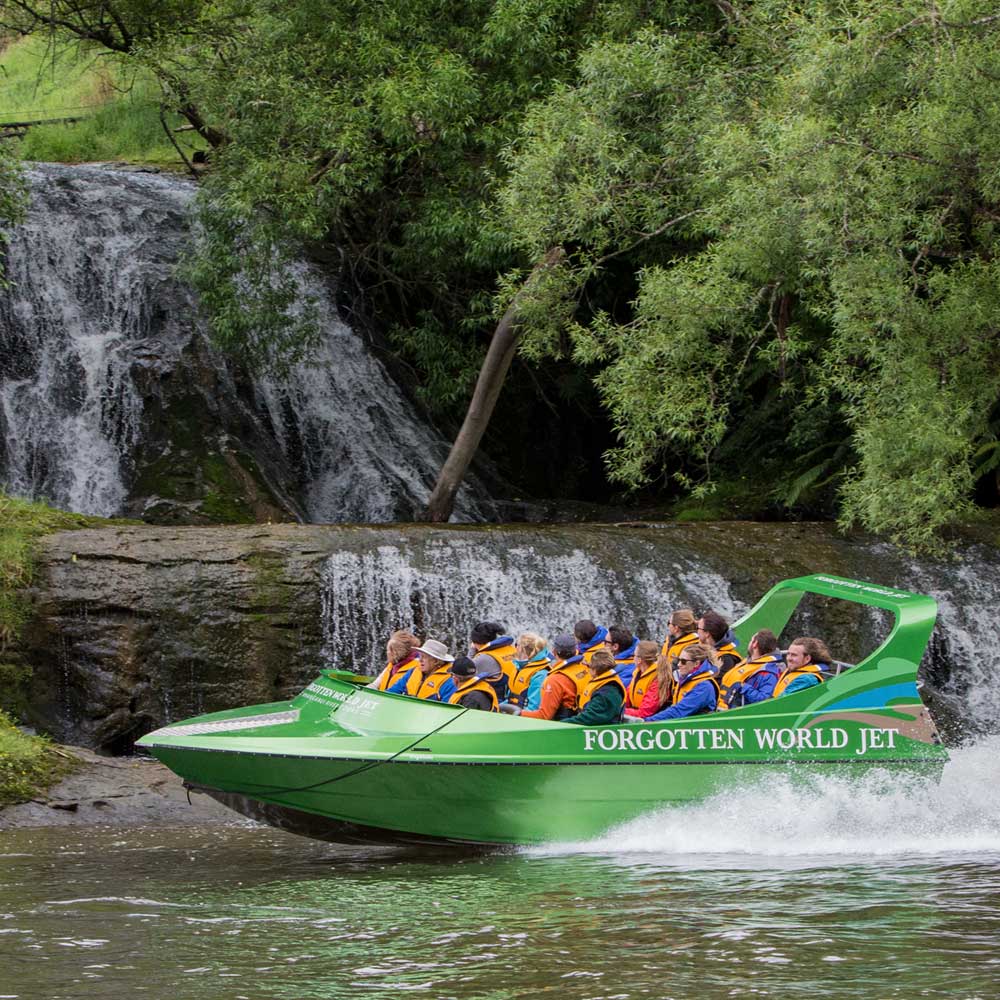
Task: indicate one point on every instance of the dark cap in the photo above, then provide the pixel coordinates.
(463, 667)
(485, 632)
(564, 645)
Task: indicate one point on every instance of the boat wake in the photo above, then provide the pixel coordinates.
(830, 817)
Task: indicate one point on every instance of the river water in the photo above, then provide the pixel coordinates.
(842, 891)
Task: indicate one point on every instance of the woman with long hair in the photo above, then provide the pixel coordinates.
(694, 689)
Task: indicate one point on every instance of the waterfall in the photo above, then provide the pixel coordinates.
(546, 578)
(85, 268)
(97, 336)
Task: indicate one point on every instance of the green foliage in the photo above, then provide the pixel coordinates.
(840, 168)
(28, 764)
(778, 221)
(13, 199)
(375, 133)
(120, 105)
(22, 523)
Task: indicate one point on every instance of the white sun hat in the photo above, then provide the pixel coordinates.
(436, 649)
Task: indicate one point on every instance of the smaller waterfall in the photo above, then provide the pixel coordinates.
(85, 268)
(384, 468)
(524, 579)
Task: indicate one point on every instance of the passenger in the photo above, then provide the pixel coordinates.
(695, 688)
(426, 679)
(401, 652)
(713, 630)
(643, 679)
(602, 698)
(493, 654)
(568, 676)
(532, 665)
(805, 662)
(589, 638)
(466, 689)
(680, 633)
(754, 678)
(622, 644)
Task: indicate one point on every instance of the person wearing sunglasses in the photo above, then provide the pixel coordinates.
(695, 689)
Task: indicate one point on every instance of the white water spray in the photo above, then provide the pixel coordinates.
(880, 815)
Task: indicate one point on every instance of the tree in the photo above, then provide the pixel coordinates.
(134, 29)
(841, 258)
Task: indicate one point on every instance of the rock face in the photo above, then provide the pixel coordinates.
(116, 792)
(137, 626)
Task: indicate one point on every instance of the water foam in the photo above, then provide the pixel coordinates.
(833, 818)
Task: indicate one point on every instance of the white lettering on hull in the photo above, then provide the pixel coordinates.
(718, 740)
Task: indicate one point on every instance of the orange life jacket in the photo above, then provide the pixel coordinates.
(789, 675)
(576, 670)
(743, 671)
(596, 683)
(504, 655)
(475, 684)
(388, 677)
(672, 647)
(691, 681)
(727, 652)
(419, 685)
(588, 654)
(639, 685)
(521, 680)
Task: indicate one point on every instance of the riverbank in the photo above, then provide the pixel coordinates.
(113, 791)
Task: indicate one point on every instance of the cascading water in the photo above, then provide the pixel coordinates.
(96, 326)
(85, 268)
(530, 579)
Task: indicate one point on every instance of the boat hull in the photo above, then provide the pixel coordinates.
(486, 803)
(370, 765)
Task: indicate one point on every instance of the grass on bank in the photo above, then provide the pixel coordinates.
(27, 763)
(121, 110)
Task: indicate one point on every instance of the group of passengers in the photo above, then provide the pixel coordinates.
(602, 675)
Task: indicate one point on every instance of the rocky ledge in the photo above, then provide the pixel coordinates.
(121, 792)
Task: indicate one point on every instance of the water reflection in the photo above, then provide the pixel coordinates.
(838, 891)
(251, 912)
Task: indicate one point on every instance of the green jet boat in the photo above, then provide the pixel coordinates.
(348, 763)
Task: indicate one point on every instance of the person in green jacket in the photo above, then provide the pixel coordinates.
(602, 699)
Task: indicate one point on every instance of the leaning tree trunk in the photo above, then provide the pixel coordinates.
(484, 398)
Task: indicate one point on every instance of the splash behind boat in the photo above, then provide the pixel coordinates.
(348, 763)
